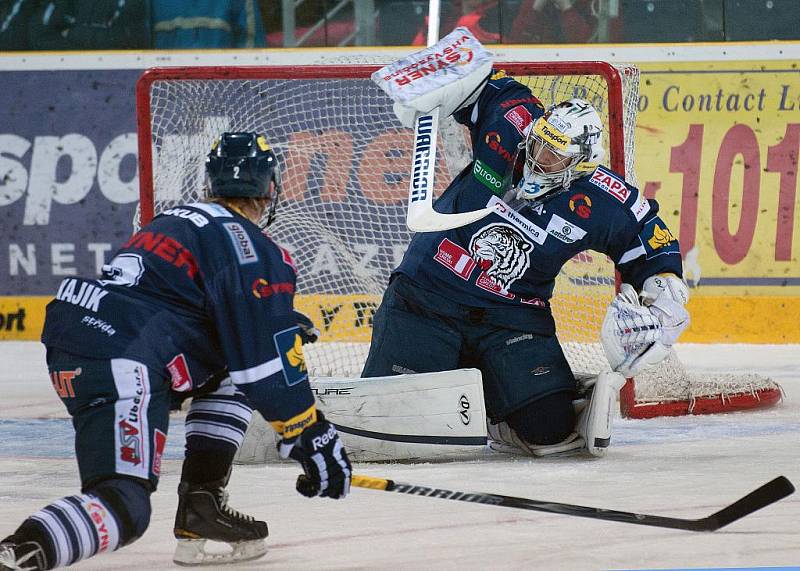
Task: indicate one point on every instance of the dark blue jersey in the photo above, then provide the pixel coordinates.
(198, 290)
(512, 257)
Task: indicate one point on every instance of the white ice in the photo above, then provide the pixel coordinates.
(683, 467)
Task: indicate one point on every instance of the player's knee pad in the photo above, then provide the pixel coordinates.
(129, 500)
(548, 420)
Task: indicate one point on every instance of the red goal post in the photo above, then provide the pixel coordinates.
(345, 162)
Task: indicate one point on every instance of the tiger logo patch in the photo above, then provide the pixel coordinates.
(502, 253)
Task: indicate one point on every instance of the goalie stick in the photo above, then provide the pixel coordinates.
(421, 216)
(761, 497)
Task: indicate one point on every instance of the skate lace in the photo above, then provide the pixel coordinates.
(228, 510)
(8, 559)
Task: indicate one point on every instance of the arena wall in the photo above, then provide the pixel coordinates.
(717, 142)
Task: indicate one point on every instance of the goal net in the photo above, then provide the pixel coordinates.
(345, 164)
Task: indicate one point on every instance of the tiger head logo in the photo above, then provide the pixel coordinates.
(502, 253)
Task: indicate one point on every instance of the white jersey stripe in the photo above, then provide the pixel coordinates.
(632, 254)
(255, 374)
(225, 408)
(214, 430)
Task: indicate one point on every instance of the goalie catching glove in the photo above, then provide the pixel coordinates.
(639, 330)
(449, 75)
(323, 458)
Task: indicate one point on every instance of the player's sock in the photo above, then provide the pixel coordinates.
(68, 530)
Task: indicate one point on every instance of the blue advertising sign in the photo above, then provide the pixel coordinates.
(68, 176)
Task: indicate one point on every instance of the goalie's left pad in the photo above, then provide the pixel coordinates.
(635, 336)
(449, 75)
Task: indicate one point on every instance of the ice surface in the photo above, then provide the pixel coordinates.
(682, 467)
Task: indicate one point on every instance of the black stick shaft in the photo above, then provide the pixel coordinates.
(761, 497)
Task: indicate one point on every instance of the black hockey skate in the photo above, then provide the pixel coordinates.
(203, 515)
(27, 556)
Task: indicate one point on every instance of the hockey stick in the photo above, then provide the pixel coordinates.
(421, 217)
(761, 497)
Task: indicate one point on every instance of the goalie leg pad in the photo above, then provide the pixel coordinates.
(595, 422)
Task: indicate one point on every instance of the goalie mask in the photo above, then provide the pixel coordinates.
(563, 144)
(243, 165)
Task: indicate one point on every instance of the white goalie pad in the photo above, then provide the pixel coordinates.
(423, 417)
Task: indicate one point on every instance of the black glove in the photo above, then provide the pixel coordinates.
(308, 332)
(319, 446)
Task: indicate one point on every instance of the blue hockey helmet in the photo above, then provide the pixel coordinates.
(243, 165)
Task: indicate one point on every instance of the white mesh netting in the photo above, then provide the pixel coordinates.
(345, 171)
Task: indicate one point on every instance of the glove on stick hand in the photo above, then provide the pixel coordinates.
(323, 458)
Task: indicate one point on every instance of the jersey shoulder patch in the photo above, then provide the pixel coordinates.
(519, 117)
(611, 183)
(242, 243)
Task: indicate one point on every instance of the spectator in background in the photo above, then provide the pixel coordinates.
(558, 21)
(182, 24)
(88, 24)
(665, 21)
(479, 16)
(14, 17)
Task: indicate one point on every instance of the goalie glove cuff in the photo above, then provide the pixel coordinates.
(668, 285)
(673, 317)
(666, 295)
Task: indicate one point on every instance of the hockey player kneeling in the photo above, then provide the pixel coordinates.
(479, 295)
(198, 303)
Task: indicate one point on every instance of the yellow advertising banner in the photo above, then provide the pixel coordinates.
(717, 145)
(22, 318)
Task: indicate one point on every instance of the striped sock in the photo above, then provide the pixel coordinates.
(78, 527)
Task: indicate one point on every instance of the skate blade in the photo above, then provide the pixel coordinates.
(192, 552)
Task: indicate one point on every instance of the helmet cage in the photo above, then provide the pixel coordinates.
(578, 152)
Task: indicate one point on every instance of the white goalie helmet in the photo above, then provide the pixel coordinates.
(563, 144)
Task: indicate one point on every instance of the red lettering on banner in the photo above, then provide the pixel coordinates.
(733, 247)
(333, 150)
(782, 158)
(455, 258)
(685, 159)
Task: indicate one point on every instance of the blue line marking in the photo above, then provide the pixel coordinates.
(55, 438)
